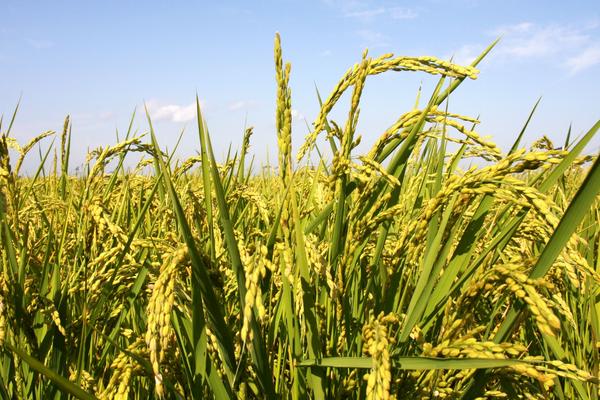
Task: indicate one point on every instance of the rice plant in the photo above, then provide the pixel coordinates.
(396, 273)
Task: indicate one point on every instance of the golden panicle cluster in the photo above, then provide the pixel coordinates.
(331, 278)
(575, 266)
(283, 117)
(511, 276)
(316, 253)
(377, 342)
(493, 180)
(53, 312)
(350, 383)
(2, 320)
(212, 344)
(183, 168)
(570, 371)
(372, 167)
(379, 65)
(545, 372)
(160, 306)
(395, 130)
(104, 155)
(103, 222)
(102, 273)
(5, 174)
(468, 346)
(27, 148)
(340, 166)
(19, 383)
(354, 112)
(446, 119)
(560, 305)
(536, 372)
(123, 368)
(64, 139)
(255, 199)
(255, 268)
(543, 143)
(143, 163)
(484, 148)
(431, 65)
(84, 379)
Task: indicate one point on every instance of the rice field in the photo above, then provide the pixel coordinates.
(393, 274)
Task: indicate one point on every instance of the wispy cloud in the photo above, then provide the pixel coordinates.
(107, 116)
(365, 14)
(573, 48)
(586, 59)
(237, 11)
(373, 38)
(298, 116)
(367, 11)
(465, 54)
(402, 13)
(40, 43)
(172, 112)
(93, 119)
(369, 14)
(241, 105)
(531, 40)
(237, 105)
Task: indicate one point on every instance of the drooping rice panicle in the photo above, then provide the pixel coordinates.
(434, 265)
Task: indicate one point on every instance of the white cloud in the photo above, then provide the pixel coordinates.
(172, 112)
(297, 115)
(402, 13)
(526, 40)
(373, 38)
(40, 43)
(521, 27)
(93, 119)
(586, 59)
(466, 54)
(93, 116)
(574, 48)
(365, 14)
(366, 11)
(107, 116)
(237, 105)
(326, 53)
(241, 105)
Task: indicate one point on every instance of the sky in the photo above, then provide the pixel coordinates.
(97, 61)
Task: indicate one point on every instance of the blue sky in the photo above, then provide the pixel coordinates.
(97, 61)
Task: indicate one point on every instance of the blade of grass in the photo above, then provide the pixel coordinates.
(259, 354)
(61, 382)
(413, 363)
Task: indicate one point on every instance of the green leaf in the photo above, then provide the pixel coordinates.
(412, 363)
(61, 382)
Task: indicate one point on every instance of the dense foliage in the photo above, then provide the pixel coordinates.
(393, 274)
